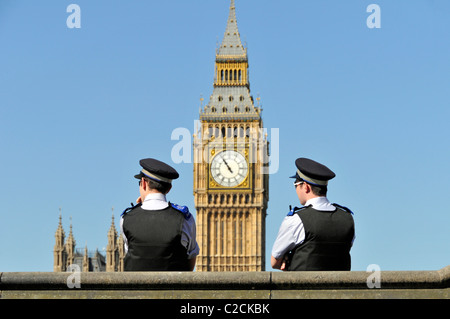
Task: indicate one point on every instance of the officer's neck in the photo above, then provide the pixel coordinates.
(316, 199)
(155, 195)
(310, 197)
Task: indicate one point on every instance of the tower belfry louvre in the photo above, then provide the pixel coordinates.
(230, 187)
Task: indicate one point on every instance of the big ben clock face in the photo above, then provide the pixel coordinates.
(229, 168)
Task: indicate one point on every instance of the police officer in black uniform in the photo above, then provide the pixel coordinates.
(158, 235)
(319, 235)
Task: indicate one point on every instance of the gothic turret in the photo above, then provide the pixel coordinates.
(70, 247)
(112, 248)
(59, 263)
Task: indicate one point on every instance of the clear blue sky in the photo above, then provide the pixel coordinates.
(80, 107)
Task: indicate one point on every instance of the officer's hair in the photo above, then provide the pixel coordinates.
(319, 190)
(159, 186)
(316, 190)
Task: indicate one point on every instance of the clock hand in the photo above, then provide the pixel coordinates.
(229, 168)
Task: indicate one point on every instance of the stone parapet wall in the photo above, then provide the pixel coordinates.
(228, 285)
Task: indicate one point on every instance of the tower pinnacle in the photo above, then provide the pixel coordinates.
(231, 46)
(231, 99)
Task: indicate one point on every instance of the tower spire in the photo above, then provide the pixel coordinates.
(70, 233)
(59, 254)
(231, 97)
(60, 230)
(231, 44)
(70, 247)
(111, 249)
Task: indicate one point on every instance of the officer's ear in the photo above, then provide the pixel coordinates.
(308, 188)
(144, 184)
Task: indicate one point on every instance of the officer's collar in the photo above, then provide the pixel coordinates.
(320, 203)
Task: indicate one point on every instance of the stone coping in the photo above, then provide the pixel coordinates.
(244, 284)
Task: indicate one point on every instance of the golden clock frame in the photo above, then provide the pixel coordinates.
(246, 184)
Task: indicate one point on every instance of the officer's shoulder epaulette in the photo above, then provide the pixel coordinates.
(129, 209)
(182, 209)
(296, 210)
(343, 208)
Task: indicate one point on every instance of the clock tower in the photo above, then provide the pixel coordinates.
(230, 167)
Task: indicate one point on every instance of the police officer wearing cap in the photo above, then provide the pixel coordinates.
(318, 236)
(158, 235)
